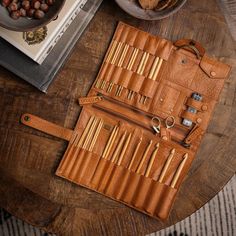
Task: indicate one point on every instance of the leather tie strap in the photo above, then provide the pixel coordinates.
(46, 127)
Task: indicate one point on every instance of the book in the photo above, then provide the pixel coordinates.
(41, 76)
(38, 44)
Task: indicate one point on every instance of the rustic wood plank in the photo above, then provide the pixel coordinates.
(29, 158)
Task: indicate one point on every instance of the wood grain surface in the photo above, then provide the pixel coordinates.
(28, 158)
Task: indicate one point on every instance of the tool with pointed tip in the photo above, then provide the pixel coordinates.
(156, 66)
(149, 167)
(129, 67)
(89, 135)
(118, 148)
(166, 166)
(144, 157)
(124, 149)
(120, 62)
(110, 54)
(96, 135)
(179, 170)
(88, 126)
(135, 153)
(110, 142)
(100, 83)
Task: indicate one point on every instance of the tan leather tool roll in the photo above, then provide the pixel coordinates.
(130, 143)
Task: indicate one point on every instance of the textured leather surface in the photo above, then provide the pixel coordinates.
(143, 76)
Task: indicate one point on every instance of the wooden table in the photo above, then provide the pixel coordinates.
(28, 158)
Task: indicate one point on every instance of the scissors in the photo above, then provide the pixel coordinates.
(156, 123)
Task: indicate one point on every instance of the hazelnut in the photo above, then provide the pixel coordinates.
(30, 12)
(15, 15)
(22, 12)
(6, 3)
(25, 4)
(50, 2)
(36, 4)
(13, 7)
(44, 7)
(39, 14)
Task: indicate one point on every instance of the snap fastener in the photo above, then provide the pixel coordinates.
(27, 118)
(199, 120)
(204, 107)
(164, 137)
(213, 73)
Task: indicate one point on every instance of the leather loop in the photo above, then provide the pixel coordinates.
(198, 105)
(192, 46)
(46, 126)
(189, 116)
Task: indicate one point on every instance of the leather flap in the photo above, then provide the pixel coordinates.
(214, 69)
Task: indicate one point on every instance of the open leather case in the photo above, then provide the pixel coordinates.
(141, 125)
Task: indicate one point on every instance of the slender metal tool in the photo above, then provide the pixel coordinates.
(149, 167)
(144, 157)
(118, 148)
(88, 126)
(124, 150)
(179, 170)
(166, 166)
(94, 140)
(135, 153)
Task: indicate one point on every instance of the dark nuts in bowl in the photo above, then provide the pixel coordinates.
(25, 15)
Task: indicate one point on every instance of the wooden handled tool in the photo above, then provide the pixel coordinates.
(88, 126)
(96, 135)
(144, 157)
(90, 132)
(148, 170)
(156, 66)
(110, 141)
(135, 153)
(118, 148)
(110, 54)
(129, 67)
(179, 170)
(166, 166)
(120, 62)
(124, 149)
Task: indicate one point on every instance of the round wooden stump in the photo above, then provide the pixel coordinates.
(28, 158)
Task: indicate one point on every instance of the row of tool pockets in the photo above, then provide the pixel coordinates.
(116, 81)
(116, 182)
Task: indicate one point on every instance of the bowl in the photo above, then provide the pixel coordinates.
(133, 8)
(27, 24)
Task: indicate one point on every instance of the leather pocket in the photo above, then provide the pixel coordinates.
(159, 205)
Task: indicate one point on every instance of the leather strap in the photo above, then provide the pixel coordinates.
(46, 127)
(198, 105)
(191, 45)
(189, 116)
